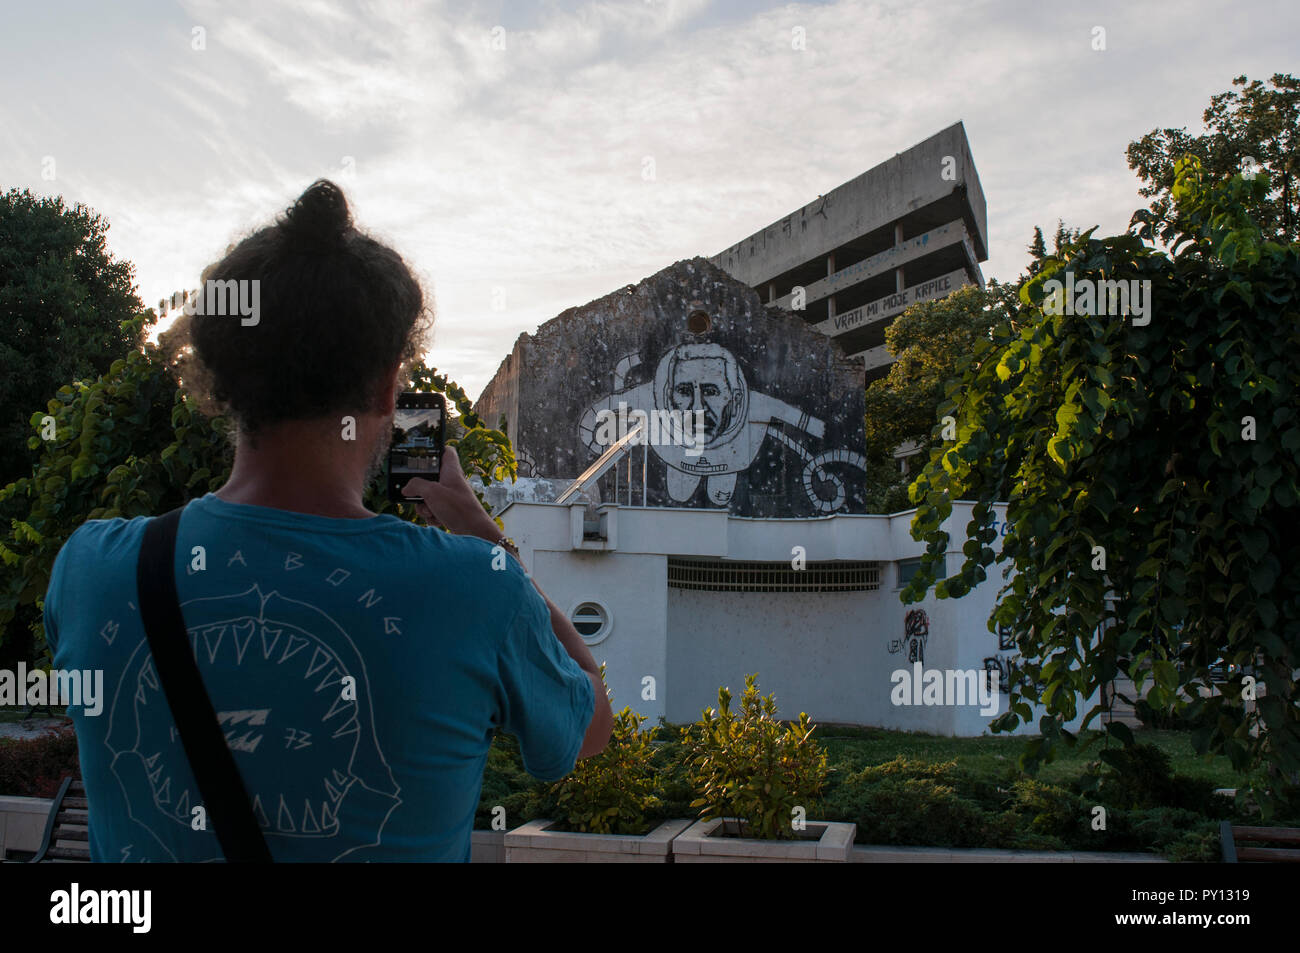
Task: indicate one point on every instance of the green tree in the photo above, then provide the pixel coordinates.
(1039, 257)
(1037, 247)
(63, 299)
(1261, 122)
(927, 341)
(1149, 469)
(133, 443)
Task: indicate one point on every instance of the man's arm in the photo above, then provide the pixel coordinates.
(602, 717)
(451, 504)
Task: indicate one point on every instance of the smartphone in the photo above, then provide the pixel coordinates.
(416, 451)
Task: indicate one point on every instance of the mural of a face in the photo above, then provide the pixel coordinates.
(701, 384)
(706, 378)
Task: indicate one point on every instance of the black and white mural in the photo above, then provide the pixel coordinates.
(742, 407)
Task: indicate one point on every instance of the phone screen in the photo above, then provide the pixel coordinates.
(416, 450)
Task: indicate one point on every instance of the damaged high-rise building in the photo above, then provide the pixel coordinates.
(685, 564)
(910, 229)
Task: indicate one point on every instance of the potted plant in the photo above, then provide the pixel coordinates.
(755, 778)
(603, 807)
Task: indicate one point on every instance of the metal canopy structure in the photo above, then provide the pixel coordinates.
(610, 458)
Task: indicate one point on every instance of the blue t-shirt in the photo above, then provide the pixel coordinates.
(358, 667)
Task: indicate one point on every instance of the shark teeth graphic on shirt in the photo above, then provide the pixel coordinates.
(279, 664)
(250, 642)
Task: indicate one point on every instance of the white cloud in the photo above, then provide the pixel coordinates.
(522, 168)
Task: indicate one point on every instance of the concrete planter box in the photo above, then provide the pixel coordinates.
(536, 843)
(823, 842)
(22, 822)
(487, 847)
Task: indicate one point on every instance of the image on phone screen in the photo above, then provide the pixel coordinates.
(416, 450)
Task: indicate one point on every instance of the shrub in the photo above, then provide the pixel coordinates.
(1140, 777)
(915, 811)
(505, 784)
(1171, 829)
(751, 768)
(34, 768)
(132, 444)
(612, 792)
(1198, 846)
(984, 793)
(1053, 812)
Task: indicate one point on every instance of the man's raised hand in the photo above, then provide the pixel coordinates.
(450, 503)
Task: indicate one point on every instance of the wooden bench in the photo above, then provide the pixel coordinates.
(1231, 835)
(67, 832)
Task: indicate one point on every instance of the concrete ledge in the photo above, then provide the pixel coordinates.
(22, 822)
(822, 842)
(487, 847)
(535, 842)
(944, 855)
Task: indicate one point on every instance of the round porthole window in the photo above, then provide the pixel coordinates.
(591, 619)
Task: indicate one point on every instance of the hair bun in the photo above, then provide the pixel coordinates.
(320, 218)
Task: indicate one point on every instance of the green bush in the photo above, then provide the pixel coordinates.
(131, 443)
(34, 768)
(1199, 846)
(1140, 776)
(923, 804)
(979, 791)
(674, 789)
(751, 768)
(612, 792)
(1171, 830)
(1053, 812)
(505, 784)
(909, 802)
(911, 811)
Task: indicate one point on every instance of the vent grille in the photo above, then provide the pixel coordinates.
(727, 575)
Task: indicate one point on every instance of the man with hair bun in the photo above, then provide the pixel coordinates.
(358, 663)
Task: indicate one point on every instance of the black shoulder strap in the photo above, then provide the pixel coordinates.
(210, 759)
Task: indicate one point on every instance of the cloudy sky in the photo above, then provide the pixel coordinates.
(501, 146)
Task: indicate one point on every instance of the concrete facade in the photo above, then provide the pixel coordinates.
(671, 633)
(676, 567)
(910, 229)
(22, 823)
(775, 408)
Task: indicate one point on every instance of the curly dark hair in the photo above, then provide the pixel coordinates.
(336, 311)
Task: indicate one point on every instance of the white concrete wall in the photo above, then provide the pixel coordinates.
(22, 822)
(633, 589)
(824, 653)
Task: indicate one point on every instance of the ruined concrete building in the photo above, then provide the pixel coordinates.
(780, 406)
(692, 453)
(910, 229)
